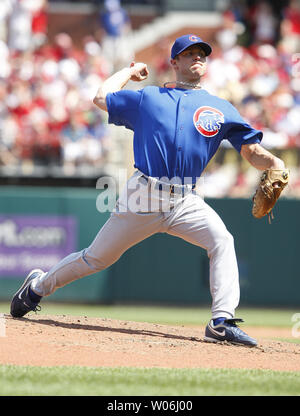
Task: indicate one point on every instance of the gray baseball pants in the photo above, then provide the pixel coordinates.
(186, 216)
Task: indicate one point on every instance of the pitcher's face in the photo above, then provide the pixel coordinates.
(190, 64)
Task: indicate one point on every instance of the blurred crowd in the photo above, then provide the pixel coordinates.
(47, 117)
(46, 112)
(256, 66)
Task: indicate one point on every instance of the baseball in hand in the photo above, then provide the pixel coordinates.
(139, 71)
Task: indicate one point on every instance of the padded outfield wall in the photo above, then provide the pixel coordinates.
(39, 226)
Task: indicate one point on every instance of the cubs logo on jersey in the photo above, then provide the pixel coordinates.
(208, 121)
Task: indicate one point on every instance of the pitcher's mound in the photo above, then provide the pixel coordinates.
(49, 340)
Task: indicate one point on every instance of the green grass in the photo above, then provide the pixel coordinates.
(291, 340)
(165, 315)
(86, 381)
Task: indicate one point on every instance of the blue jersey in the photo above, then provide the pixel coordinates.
(177, 131)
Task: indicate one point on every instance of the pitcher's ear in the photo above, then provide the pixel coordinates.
(173, 62)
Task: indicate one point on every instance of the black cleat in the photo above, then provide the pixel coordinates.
(21, 302)
(228, 331)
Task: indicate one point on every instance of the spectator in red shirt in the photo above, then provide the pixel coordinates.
(39, 24)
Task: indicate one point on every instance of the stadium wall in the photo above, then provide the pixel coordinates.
(42, 225)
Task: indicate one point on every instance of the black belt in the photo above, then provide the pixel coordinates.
(173, 189)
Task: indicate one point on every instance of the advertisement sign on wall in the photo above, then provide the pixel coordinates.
(34, 241)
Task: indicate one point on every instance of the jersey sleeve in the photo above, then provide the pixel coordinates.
(240, 132)
(123, 107)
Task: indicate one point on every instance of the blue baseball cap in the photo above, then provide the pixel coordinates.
(185, 41)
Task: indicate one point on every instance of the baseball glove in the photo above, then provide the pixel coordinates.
(272, 183)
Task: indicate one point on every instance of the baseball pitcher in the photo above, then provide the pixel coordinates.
(177, 130)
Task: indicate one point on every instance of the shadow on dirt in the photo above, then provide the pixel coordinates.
(88, 327)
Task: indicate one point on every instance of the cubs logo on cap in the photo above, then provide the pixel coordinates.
(183, 42)
(208, 121)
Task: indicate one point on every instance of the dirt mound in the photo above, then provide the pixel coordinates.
(44, 340)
